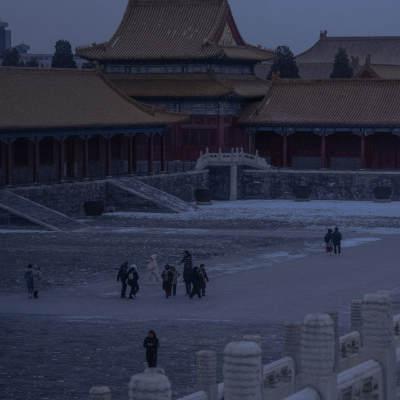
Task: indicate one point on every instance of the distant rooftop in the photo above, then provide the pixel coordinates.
(3, 24)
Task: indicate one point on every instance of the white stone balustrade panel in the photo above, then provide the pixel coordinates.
(349, 343)
(232, 158)
(351, 382)
(305, 394)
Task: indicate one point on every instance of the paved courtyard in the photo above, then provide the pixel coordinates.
(266, 264)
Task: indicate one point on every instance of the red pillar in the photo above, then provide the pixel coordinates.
(363, 150)
(85, 163)
(221, 130)
(130, 154)
(150, 155)
(285, 158)
(323, 150)
(134, 154)
(163, 152)
(61, 159)
(35, 159)
(8, 163)
(108, 157)
(252, 143)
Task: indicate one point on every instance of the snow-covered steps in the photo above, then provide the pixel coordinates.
(36, 213)
(151, 194)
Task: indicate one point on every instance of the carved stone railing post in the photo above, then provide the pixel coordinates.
(292, 343)
(149, 386)
(242, 375)
(357, 318)
(207, 373)
(317, 356)
(100, 393)
(379, 338)
(335, 318)
(257, 339)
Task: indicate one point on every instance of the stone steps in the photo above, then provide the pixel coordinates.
(151, 194)
(36, 213)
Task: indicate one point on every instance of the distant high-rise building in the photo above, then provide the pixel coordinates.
(5, 36)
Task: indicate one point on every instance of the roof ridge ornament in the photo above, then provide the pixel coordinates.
(275, 76)
(323, 34)
(368, 59)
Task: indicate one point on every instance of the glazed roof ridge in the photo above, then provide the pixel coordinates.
(65, 98)
(347, 102)
(174, 29)
(196, 85)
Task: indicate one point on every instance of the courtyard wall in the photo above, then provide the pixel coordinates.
(326, 185)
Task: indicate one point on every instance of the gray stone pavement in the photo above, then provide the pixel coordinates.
(80, 333)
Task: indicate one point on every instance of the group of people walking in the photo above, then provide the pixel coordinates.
(33, 278)
(195, 278)
(333, 241)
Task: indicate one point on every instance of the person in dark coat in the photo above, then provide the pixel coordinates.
(187, 278)
(196, 282)
(133, 278)
(187, 259)
(37, 280)
(167, 277)
(29, 280)
(151, 344)
(204, 279)
(123, 275)
(336, 239)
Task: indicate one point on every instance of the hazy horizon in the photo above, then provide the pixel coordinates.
(40, 23)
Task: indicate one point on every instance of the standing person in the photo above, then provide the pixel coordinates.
(36, 280)
(337, 239)
(187, 278)
(123, 275)
(29, 280)
(153, 268)
(167, 277)
(133, 278)
(204, 280)
(176, 275)
(328, 242)
(196, 282)
(151, 344)
(187, 259)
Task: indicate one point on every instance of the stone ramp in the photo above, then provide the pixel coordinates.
(151, 194)
(34, 212)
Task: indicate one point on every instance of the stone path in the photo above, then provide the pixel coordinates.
(151, 194)
(36, 213)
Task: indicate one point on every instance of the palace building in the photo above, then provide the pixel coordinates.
(67, 122)
(185, 56)
(331, 123)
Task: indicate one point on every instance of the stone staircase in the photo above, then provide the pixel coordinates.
(151, 194)
(37, 213)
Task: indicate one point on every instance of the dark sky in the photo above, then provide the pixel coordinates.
(296, 23)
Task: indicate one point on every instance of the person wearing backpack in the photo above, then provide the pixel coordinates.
(336, 239)
(123, 275)
(328, 242)
(176, 275)
(133, 278)
(204, 279)
(167, 277)
(196, 282)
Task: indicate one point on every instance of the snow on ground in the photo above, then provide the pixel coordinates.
(289, 210)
